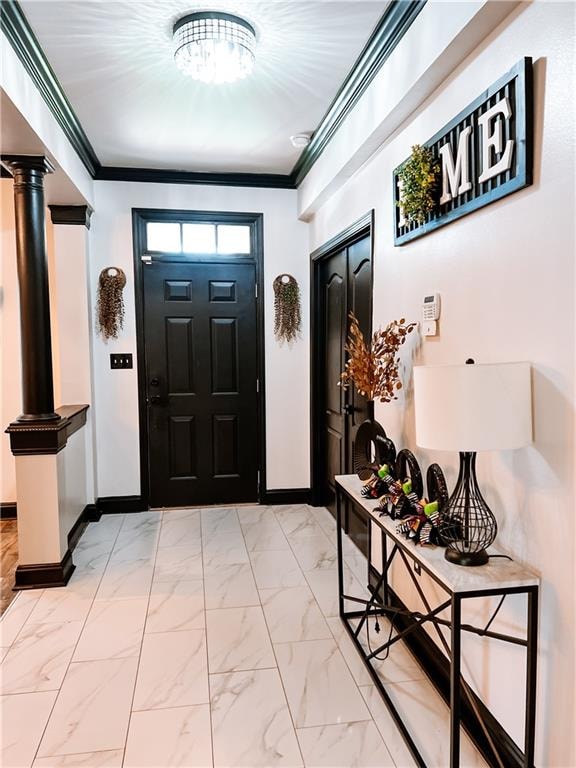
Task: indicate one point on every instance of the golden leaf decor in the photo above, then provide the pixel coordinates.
(374, 369)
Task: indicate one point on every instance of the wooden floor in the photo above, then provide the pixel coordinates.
(8, 561)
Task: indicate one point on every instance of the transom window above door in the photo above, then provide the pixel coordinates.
(197, 237)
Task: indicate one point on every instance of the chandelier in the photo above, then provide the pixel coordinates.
(214, 47)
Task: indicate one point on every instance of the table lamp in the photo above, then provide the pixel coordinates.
(470, 408)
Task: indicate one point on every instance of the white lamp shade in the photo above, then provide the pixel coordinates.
(476, 407)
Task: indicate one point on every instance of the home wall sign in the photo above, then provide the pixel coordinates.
(484, 153)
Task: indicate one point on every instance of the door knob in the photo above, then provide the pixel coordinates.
(155, 400)
(154, 382)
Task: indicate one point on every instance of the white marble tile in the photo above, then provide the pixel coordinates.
(224, 549)
(39, 657)
(318, 684)
(341, 746)
(69, 603)
(255, 515)
(388, 730)
(324, 585)
(92, 555)
(106, 529)
(166, 738)
(231, 586)
(314, 552)
(176, 605)
(178, 563)
(92, 709)
(238, 639)
(251, 725)
(349, 652)
(265, 536)
(297, 521)
(142, 522)
(326, 521)
(15, 616)
(276, 569)
(24, 717)
(113, 630)
(216, 520)
(292, 614)
(134, 545)
(358, 564)
(173, 671)
(181, 528)
(110, 759)
(127, 579)
(417, 702)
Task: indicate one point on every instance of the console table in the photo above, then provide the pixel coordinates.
(500, 577)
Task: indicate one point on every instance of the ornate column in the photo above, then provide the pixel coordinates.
(37, 381)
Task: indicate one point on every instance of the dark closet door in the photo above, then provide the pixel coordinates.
(201, 367)
(345, 285)
(334, 280)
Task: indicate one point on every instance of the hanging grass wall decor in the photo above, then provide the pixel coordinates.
(110, 313)
(287, 313)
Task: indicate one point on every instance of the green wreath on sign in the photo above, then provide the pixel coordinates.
(418, 179)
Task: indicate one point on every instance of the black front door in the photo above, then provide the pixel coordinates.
(200, 337)
(345, 285)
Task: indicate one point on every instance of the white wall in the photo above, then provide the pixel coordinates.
(506, 278)
(287, 369)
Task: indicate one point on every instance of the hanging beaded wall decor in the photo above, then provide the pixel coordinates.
(287, 312)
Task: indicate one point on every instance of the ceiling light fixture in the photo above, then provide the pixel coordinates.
(214, 47)
(300, 140)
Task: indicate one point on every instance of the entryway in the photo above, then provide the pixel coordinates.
(200, 356)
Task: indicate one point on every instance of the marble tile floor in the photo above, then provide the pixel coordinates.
(203, 638)
(8, 561)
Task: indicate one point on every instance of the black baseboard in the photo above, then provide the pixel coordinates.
(88, 515)
(44, 574)
(7, 510)
(437, 668)
(286, 496)
(113, 505)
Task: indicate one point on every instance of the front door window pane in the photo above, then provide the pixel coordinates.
(163, 236)
(233, 238)
(199, 238)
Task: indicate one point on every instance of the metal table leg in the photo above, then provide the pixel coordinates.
(455, 683)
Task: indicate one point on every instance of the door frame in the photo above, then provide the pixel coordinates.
(358, 230)
(140, 217)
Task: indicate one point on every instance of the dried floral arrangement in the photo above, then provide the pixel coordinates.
(287, 312)
(418, 180)
(374, 369)
(110, 311)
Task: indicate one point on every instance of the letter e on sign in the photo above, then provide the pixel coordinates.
(491, 137)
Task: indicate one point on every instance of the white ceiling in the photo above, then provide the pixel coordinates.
(114, 61)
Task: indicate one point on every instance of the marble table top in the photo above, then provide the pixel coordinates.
(498, 573)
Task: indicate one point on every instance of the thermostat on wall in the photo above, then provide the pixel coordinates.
(430, 313)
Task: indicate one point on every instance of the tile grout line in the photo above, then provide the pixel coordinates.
(139, 657)
(77, 641)
(270, 638)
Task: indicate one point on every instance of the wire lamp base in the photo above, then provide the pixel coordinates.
(469, 526)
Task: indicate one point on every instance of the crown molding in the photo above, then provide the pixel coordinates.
(19, 33)
(390, 30)
(71, 215)
(144, 175)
